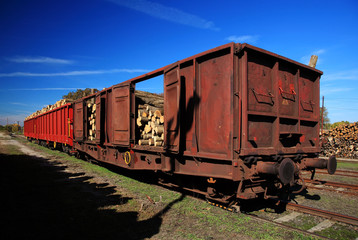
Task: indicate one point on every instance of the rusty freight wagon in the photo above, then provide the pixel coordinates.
(239, 122)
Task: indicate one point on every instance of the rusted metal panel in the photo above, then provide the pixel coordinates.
(78, 118)
(191, 102)
(172, 108)
(121, 115)
(214, 73)
(279, 114)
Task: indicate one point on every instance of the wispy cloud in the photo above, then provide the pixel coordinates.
(306, 59)
(326, 91)
(243, 39)
(39, 89)
(160, 11)
(12, 118)
(24, 59)
(343, 75)
(19, 104)
(72, 73)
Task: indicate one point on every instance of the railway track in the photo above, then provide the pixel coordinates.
(351, 189)
(333, 184)
(345, 173)
(234, 209)
(323, 213)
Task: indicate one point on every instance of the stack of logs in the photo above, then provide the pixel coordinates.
(150, 120)
(49, 108)
(91, 113)
(341, 141)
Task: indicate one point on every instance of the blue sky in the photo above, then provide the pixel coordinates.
(51, 47)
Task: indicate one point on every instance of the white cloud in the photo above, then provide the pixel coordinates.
(12, 118)
(71, 73)
(343, 75)
(40, 89)
(19, 104)
(160, 11)
(306, 59)
(319, 52)
(243, 39)
(23, 59)
(328, 90)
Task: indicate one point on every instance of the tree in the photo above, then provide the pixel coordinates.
(336, 124)
(326, 121)
(79, 93)
(15, 127)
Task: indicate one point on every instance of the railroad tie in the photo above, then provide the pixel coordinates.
(288, 217)
(321, 226)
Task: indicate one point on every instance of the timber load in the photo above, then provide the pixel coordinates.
(150, 118)
(49, 108)
(91, 113)
(341, 141)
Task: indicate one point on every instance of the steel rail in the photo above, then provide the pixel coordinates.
(333, 184)
(333, 190)
(341, 173)
(323, 213)
(236, 210)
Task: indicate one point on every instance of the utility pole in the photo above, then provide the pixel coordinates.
(322, 113)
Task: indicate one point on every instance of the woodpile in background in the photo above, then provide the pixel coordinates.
(91, 116)
(341, 141)
(49, 108)
(150, 119)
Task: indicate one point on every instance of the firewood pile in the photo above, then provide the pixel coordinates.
(49, 108)
(150, 120)
(341, 141)
(91, 115)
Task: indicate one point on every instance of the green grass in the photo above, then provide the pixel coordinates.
(339, 231)
(347, 166)
(205, 216)
(303, 222)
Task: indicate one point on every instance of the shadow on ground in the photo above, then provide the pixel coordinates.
(40, 200)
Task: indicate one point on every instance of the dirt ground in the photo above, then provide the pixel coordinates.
(45, 196)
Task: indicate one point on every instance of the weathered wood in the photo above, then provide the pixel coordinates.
(158, 143)
(147, 128)
(341, 141)
(142, 121)
(143, 142)
(313, 61)
(161, 119)
(159, 129)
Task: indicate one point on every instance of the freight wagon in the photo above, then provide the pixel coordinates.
(53, 128)
(240, 122)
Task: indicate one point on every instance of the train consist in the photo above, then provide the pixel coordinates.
(239, 123)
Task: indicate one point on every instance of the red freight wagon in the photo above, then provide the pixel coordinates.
(52, 128)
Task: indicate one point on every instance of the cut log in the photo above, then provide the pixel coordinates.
(159, 129)
(143, 142)
(158, 113)
(341, 141)
(147, 128)
(158, 143)
(151, 141)
(313, 61)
